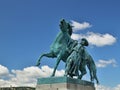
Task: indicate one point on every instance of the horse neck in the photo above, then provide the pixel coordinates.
(59, 37)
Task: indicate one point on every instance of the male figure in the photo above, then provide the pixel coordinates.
(73, 61)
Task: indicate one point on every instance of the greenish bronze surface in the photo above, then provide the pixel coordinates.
(62, 45)
(17, 88)
(91, 66)
(75, 58)
(72, 53)
(54, 80)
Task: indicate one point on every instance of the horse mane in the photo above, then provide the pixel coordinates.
(70, 31)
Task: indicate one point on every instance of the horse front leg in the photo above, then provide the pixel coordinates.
(57, 63)
(46, 55)
(91, 76)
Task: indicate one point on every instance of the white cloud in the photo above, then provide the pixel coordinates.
(76, 36)
(26, 77)
(79, 26)
(117, 87)
(102, 87)
(4, 72)
(96, 39)
(105, 63)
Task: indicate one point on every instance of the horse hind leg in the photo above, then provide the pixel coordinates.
(95, 76)
(91, 77)
(46, 55)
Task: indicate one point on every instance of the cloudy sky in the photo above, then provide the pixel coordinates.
(28, 28)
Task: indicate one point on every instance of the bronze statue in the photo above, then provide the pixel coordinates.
(72, 53)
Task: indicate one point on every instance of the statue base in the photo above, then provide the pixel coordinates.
(63, 83)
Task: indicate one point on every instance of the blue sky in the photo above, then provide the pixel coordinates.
(28, 28)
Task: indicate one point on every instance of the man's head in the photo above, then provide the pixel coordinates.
(84, 42)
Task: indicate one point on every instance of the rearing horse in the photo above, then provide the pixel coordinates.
(62, 45)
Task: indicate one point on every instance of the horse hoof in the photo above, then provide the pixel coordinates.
(98, 83)
(65, 75)
(52, 75)
(37, 64)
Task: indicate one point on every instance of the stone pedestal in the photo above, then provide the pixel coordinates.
(63, 83)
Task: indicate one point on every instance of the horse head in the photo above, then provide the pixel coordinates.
(64, 26)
